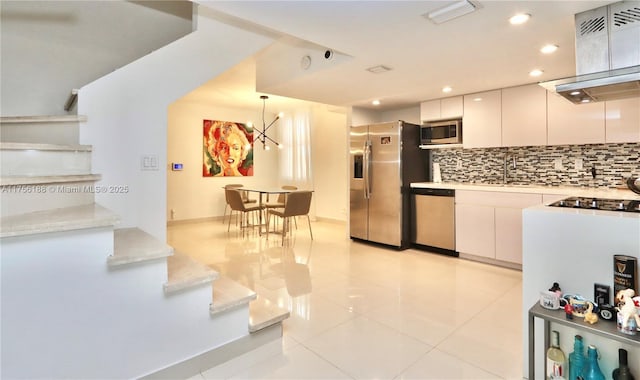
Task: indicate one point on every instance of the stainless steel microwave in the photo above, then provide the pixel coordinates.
(441, 132)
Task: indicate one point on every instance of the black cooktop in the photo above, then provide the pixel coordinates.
(599, 204)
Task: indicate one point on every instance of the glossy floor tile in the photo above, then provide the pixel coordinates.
(360, 311)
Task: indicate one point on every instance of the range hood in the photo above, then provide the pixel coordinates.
(607, 55)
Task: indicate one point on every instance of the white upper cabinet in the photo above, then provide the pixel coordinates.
(622, 123)
(447, 108)
(569, 123)
(481, 125)
(524, 116)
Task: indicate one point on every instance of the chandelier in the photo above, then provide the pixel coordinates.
(262, 135)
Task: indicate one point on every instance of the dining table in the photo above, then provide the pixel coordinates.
(262, 191)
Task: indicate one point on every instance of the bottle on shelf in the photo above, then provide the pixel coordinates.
(556, 360)
(577, 360)
(622, 372)
(592, 370)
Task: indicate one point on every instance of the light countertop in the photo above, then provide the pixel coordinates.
(569, 191)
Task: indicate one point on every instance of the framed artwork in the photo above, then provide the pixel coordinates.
(227, 149)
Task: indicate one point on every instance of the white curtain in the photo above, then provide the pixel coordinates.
(295, 159)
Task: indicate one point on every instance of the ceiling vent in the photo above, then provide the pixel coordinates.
(379, 69)
(451, 11)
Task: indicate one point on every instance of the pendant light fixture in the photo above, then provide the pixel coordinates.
(262, 135)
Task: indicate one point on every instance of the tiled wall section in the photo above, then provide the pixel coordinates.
(536, 165)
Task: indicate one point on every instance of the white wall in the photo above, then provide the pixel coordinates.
(330, 162)
(364, 116)
(189, 194)
(128, 114)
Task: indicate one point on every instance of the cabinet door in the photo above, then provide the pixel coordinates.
(451, 107)
(509, 234)
(622, 123)
(475, 231)
(574, 124)
(524, 116)
(481, 126)
(430, 110)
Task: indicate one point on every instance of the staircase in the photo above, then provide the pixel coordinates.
(82, 298)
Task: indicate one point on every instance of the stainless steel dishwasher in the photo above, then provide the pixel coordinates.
(434, 220)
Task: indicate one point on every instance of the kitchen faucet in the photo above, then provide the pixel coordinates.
(507, 158)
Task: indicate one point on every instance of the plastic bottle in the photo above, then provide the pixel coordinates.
(556, 360)
(592, 371)
(622, 372)
(577, 360)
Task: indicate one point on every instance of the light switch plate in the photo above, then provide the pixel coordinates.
(149, 162)
(578, 164)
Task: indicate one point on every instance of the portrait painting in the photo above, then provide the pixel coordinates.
(227, 149)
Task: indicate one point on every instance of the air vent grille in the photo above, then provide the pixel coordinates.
(592, 25)
(626, 17)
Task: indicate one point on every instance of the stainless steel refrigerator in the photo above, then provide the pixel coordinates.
(385, 159)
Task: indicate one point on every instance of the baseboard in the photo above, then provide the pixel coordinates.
(486, 260)
(195, 220)
(209, 359)
(330, 220)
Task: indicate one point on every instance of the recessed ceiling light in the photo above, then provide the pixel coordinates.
(536, 73)
(477, 99)
(446, 89)
(585, 100)
(548, 49)
(574, 93)
(376, 102)
(520, 18)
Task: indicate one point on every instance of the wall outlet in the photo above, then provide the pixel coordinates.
(578, 164)
(557, 164)
(459, 164)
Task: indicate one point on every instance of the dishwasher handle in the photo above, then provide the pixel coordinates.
(434, 192)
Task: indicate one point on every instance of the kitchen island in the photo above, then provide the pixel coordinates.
(575, 247)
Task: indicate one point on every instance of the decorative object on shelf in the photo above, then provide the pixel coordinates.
(602, 298)
(580, 305)
(556, 289)
(589, 316)
(568, 310)
(592, 370)
(607, 312)
(625, 273)
(622, 372)
(551, 300)
(577, 359)
(628, 319)
(262, 134)
(556, 360)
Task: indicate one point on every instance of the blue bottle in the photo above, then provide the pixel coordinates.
(577, 360)
(592, 371)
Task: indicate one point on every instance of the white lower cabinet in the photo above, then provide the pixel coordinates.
(489, 224)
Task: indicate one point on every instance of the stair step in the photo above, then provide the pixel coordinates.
(264, 313)
(54, 129)
(49, 179)
(42, 119)
(30, 159)
(185, 273)
(132, 245)
(57, 220)
(25, 194)
(228, 294)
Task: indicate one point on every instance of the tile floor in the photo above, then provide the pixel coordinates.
(360, 311)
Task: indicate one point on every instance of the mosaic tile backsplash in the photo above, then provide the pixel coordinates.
(542, 165)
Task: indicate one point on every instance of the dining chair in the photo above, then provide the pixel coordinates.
(245, 198)
(297, 203)
(236, 203)
(280, 202)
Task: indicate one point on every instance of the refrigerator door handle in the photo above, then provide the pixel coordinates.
(367, 169)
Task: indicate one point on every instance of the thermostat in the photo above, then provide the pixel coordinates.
(175, 166)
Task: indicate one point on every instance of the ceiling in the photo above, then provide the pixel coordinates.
(475, 52)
